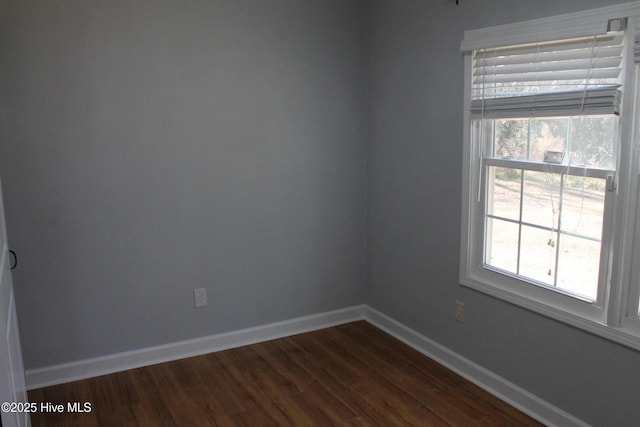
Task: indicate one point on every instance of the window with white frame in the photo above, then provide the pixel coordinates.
(551, 170)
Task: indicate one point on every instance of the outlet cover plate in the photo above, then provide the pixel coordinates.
(459, 311)
(200, 297)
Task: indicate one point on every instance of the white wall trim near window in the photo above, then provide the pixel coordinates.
(551, 173)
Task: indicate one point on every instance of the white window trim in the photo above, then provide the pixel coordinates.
(615, 318)
(627, 302)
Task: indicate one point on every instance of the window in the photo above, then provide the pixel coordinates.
(551, 171)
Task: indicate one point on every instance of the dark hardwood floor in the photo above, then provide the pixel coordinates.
(348, 375)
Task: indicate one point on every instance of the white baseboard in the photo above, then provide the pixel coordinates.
(528, 403)
(94, 367)
(517, 397)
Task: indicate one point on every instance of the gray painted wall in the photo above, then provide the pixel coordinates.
(414, 214)
(152, 147)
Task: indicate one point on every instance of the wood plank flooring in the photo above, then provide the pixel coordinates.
(348, 375)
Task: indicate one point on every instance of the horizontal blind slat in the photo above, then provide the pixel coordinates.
(569, 76)
(609, 40)
(574, 64)
(497, 61)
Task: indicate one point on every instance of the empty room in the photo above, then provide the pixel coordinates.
(320, 212)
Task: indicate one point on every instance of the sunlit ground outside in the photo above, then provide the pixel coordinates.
(575, 251)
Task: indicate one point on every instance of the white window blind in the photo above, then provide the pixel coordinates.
(569, 77)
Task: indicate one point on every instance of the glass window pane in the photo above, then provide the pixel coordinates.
(548, 135)
(538, 254)
(541, 199)
(583, 140)
(504, 192)
(528, 207)
(502, 245)
(592, 141)
(578, 266)
(583, 206)
(511, 139)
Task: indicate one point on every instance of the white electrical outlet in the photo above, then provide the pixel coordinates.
(459, 312)
(200, 297)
